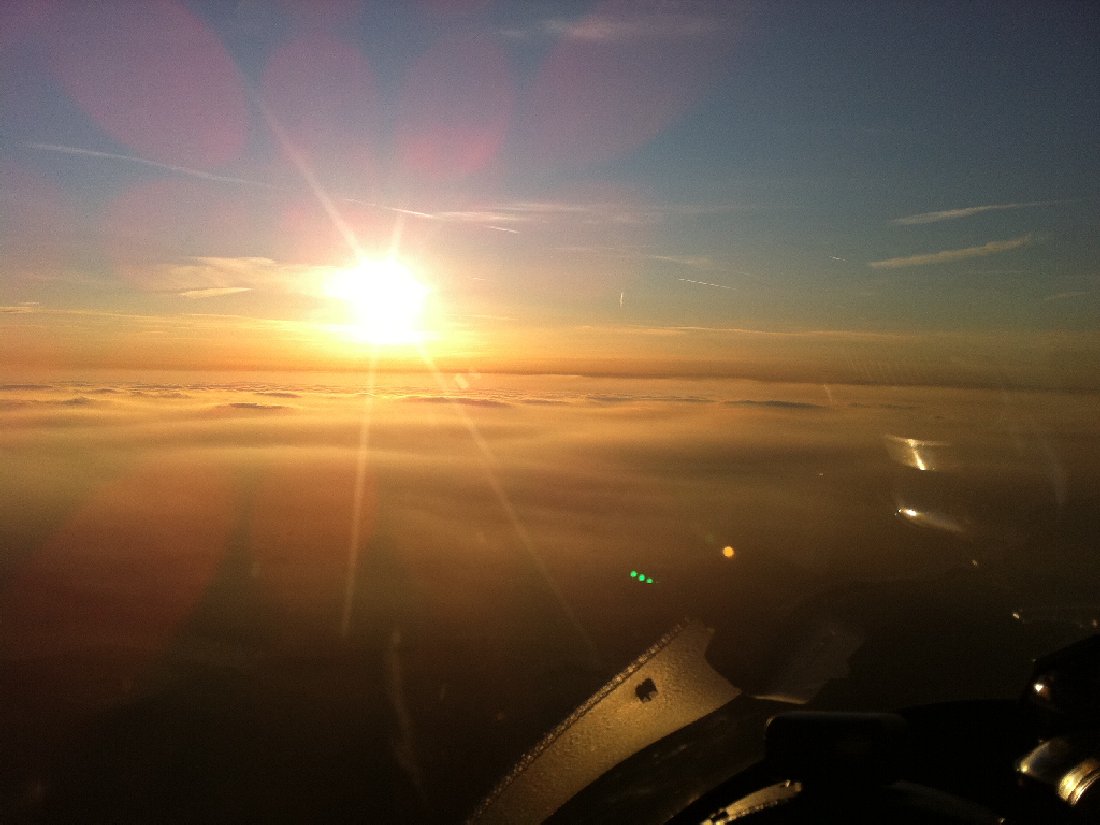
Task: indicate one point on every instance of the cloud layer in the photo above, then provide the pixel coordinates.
(965, 212)
(947, 256)
(194, 529)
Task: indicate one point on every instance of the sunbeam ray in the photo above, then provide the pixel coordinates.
(489, 463)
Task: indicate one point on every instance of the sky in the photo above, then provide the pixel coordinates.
(795, 191)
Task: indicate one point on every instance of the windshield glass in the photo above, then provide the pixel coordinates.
(380, 379)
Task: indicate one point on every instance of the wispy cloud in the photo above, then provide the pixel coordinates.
(214, 291)
(611, 211)
(693, 261)
(253, 405)
(210, 277)
(485, 218)
(481, 216)
(950, 255)
(243, 265)
(1062, 296)
(775, 403)
(500, 217)
(698, 262)
(676, 21)
(412, 213)
(183, 170)
(604, 29)
(510, 216)
(457, 399)
(965, 212)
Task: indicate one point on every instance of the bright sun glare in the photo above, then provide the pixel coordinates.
(384, 299)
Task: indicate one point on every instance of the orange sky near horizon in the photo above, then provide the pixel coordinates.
(607, 187)
(50, 340)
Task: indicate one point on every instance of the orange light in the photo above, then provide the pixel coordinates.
(385, 302)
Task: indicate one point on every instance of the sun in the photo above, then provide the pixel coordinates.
(384, 302)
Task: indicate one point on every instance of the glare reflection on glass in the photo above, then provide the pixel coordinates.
(931, 519)
(1076, 783)
(918, 453)
(729, 552)
(1085, 617)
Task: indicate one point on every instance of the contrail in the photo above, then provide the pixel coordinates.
(201, 175)
(183, 170)
(705, 283)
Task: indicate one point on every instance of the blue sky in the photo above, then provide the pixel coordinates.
(629, 168)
